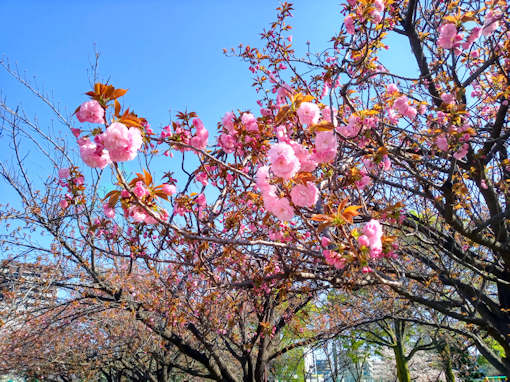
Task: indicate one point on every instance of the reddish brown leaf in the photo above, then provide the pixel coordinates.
(148, 177)
(114, 199)
(119, 93)
(117, 108)
(350, 212)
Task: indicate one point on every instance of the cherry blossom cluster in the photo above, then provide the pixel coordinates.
(371, 238)
(375, 14)
(239, 133)
(117, 143)
(72, 181)
(181, 134)
(451, 38)
(287, 158)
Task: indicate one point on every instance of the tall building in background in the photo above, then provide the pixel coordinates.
(24, 286)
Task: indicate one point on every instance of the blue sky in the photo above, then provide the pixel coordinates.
(168, 53)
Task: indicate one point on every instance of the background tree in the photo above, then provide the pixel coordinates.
(397, 335)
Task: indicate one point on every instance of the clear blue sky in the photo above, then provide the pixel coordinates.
(168, 53)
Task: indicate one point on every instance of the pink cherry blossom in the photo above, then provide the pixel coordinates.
(168, 189)
(64, 173)
(369, 165)
(201, 200)
(93, 154)
(304, 195)
(326, 146)
(349, 24)
(393, 116)
(262, 179)
(473, 36)
(109, 212)
(447, 36)
(280, 207)
(139, 215)
(265, 112)
(79, 180)
(163, 215)
(376, 16)
(373, 232)
(410, 112)
(122, 143)
(325, 241)
(491, 23)
(202, 178)
(227, 143)
(63, 204)
(308, 113)
(269, 197)
(199, 141)
(459, 155)
(376, 249)
(401, 104)
(282, 94)
(363, 182)
(448, 98)
(352, 128)
(90, 111)
(306, 160)
(324, 92)
(373, 229)
(386, 163)
(329, 115)
(149, 219)
(284, 162)
(379, 5)
(148, 129)
(249, 120)
(228, 121)
(334, 259)
(363, 241)
(442, 142)
(392, 89)
(403, 107)
(140, 190)
(281, 133)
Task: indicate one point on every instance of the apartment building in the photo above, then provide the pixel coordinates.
(24, 286)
